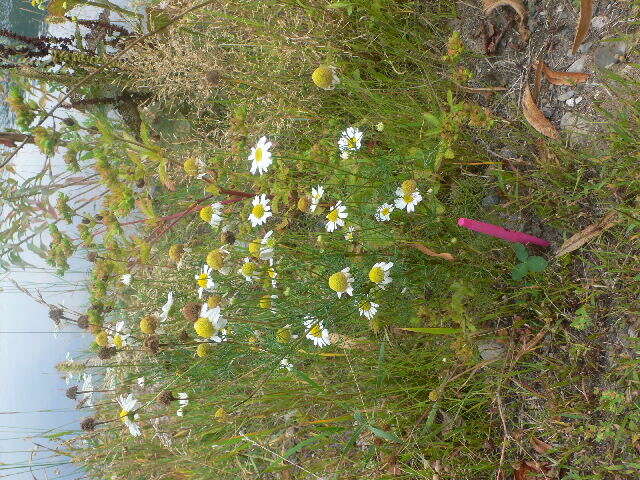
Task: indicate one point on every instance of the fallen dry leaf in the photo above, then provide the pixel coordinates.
(562, 78)
(427, 251)
(538, 81)
(540, 446)
(579, 239)
(535, 117)
(586, 12)
(534, 468)
(518, 6)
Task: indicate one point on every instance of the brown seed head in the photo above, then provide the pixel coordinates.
(191, 311)
(107, 352)
(72, 392)
(166, 397)
(88, 424)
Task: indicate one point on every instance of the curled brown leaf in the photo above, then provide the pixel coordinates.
(540, 446)
(427, 251)
(586, 12)
(579, 239)
(562, 78)
(518, 6)
(535, 116)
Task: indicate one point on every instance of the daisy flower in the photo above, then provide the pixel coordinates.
(119, 339)
(260, 156)
(261, 210)
(316, 196)
(204, 280)
(286, 364)
(183, 401)
(316, 332)
(351, 140)
(140, 382)
(249, 270)
(128, 405)
(164, 314)
(407, 200)
(368, 309)
(336, 216)
(212, 214)
(383, 214)
(263, 248)
(340, 282)
(214, 316)
(126, 279)
(379, 274)
(349, 235)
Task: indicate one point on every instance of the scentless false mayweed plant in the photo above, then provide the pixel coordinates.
(279, 287)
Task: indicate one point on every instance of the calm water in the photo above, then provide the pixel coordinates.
(20, 17)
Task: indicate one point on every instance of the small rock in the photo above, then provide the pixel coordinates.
(572, 102)
(491, 200)
(599, 22)
(490, 350)
(585, 47)
(605, 56)
(563, 97)
(548, 110)
(578, 65)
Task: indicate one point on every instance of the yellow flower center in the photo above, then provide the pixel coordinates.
(259, 154)
(376, 275)
(316, 331)
(204, 328)
(283, 335)
(338, 282)
(385, 211)
(102, 339)
(124, 414)
(117, 341)
(258, 211)
(408, 198)
(322, 76)
(248, 269)
(148, 325)
(203, 279)
(333, 215)
(366, 306)
(204, 349)
(206, 213)
(214, 301)
(214, 259)
(254, 248)
(409, 186)
(272, 273)
(265, 302)
(352, 143)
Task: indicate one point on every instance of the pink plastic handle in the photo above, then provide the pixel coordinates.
(499, 232)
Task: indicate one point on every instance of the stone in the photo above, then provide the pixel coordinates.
(609, 54)
(605, 57)
(578, 65)
(575, 123)
(585, 47)
(599, 22)
(563, 97)
(572, 102)
(490, 349)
